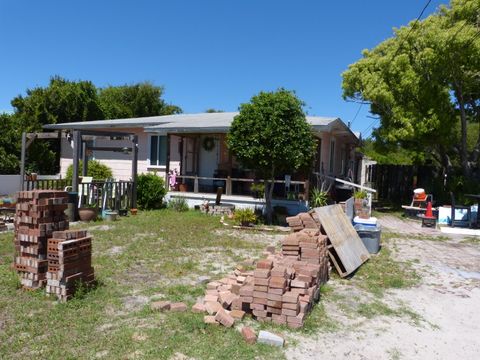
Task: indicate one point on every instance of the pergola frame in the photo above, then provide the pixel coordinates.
(80, 143)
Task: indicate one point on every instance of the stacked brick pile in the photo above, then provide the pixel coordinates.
(307, 220)
(282, 289)
(38, 214)
(69, 262)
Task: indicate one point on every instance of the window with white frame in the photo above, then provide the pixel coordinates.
(331, 166)
(158, 150)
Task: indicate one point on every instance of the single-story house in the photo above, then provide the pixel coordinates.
(193, 146)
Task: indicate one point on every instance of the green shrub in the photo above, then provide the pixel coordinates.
(360, 194)
(318, 198)
(244, 216)
(178, 204)
(150, 191)
(96, 169)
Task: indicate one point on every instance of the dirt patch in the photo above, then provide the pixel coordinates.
(437, 319)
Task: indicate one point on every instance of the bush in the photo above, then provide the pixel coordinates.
(244, 216)
(178, 204)
(150, 191)
(96, 169)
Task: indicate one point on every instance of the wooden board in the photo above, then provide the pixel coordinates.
(343, 237)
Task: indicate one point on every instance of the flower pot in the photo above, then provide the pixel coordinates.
(133, 212)
(111, 215)
(87, 214)
(183, 187)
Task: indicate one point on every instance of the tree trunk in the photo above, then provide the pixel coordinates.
(463, 122)
(269, 185)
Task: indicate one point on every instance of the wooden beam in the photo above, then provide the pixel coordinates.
(167, 168)
(22, 160)
(107, 133)
(134, 170)
(44, 135)
(84, 159)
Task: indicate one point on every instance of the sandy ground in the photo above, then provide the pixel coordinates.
(447, 302)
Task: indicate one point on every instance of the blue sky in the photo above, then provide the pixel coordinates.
(207, 54)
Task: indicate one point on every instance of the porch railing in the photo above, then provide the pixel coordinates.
(238, 186)
(112, 195)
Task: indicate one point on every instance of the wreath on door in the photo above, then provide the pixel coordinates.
(208, 143)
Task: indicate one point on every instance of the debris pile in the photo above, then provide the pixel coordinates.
(281, 289)
(38, 214)
(69, 256)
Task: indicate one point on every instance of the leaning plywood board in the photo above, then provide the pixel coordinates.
(345, 240)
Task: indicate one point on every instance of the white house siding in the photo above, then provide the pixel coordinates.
(121, 164)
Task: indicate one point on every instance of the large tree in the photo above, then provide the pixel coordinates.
(271, 135)
(66, 101)
(9, 145)
(424, 85)
(131, 101)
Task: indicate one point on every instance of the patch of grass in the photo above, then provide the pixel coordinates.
(382, 272)
(161, 251)
(471, 240)
(378, 308)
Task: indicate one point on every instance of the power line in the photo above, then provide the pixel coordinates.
(413, 28)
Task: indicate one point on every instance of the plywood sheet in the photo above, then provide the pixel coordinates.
(343, 237)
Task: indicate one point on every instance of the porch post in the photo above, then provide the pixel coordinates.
(134, 170)
(22, 160)
(228, 190)
(77, 143)
(167, 167)
(84, 159)
(195, 184)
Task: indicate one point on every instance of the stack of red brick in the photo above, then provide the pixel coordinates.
(307, 220)
(69, 262)
(38, 214)
(282, 289)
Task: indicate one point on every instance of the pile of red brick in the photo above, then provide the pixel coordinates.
(307, 220)
(69, 262)
(38, 214)
(282, 289)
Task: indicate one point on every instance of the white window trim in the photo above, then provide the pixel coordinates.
(149, 165)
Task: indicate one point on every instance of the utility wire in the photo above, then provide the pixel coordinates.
(412, 29)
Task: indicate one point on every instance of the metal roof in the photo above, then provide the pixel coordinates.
(190, 123)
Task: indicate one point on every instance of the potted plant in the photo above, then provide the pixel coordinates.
(88, 212)
(245, 217)
(133, 211)
(362, 209)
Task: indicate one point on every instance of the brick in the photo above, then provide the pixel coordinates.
(261, 281)
(261, 273)
(290, 297)
(260, 301)
(275, 304)
(212, 307)
(260, 294)
(274, 297)
(160, 305)
(224, 318)
(249, 335)
(246, 299)
(257, 306)
(279, 319)
(289, 312)
(211, 298)
(209, 319)
(237, 314)
(274, 310)
(276, 291)
(198, 308)
(178, 307)
(264, 264)
(277, 282)
(298, 284)
(260, 288)
(246, 291)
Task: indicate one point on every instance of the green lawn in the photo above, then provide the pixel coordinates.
(156, 254)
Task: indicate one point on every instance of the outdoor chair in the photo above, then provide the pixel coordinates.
(460, 222)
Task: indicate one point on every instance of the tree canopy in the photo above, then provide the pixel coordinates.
(424, 85)
(271, 135)
(66, 101)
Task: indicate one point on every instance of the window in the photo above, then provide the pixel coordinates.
(158, 150)
(332, 156)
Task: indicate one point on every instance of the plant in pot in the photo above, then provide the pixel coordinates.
(245, 217)
(362, 209)
(88, 212)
